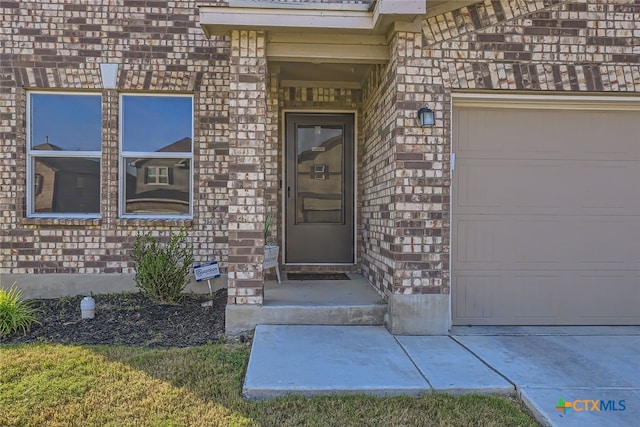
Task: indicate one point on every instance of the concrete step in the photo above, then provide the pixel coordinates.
(324, 302)
(354, 315)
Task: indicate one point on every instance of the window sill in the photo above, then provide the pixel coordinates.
(155, 222)
(77, 222)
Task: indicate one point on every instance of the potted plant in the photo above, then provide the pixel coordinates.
(271, 250)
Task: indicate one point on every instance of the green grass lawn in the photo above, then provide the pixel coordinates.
(55, 385)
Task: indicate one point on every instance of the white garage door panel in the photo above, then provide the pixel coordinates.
(483, 297)
(550, 242)
(551, 187)
(546, 217)
(561, 134)
(618, 306)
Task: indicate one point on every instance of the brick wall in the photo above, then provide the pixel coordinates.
(566, 46)
(247, 139)
(580, 46)
(420, 204)
(404, 171)
(377, 176)
(58, 45)
(404, 218)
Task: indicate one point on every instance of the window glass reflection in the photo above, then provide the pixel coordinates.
(66, 122)
(155, 123)
(157, 185)
(66, 185)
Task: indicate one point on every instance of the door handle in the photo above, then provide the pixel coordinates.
(288, 192)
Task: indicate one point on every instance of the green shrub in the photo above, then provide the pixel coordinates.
(162, 270)
(268, 221)
(15, 314)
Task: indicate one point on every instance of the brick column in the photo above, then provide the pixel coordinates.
(419, 303)
(247, 133)
(421, 193)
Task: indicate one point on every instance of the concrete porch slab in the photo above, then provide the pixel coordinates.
(313, 360)
(452, 369)
(356, 291)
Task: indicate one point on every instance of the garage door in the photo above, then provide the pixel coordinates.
(546, 214)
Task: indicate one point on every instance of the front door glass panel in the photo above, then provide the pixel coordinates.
(319, 175)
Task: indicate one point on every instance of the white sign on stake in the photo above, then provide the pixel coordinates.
(206, 271)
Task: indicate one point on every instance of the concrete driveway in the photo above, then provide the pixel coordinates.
(593, 372)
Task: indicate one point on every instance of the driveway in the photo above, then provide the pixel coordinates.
(593, 372)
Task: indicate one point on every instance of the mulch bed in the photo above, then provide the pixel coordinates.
(128, 319)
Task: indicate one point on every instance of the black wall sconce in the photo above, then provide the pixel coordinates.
(425, 117)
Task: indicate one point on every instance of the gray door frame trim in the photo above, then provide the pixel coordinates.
(283, 207)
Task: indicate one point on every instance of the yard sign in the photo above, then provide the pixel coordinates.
(207, 272)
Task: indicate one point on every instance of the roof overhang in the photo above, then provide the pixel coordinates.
(312, 17)
(323, 44)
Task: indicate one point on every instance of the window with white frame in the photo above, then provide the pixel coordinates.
(156, 155)
(64, 139)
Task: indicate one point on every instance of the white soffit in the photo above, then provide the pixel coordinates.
(275, 4)
(308, 17)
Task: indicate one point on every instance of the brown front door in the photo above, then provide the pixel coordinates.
(319, 188)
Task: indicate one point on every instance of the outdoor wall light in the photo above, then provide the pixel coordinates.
(425, 117)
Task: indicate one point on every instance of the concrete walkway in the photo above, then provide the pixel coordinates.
(543, 365)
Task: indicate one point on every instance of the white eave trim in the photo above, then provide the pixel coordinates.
(222, 19)
(298, 5)
(216, 20)
(549, 101)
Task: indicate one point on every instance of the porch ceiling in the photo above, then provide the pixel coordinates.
(326, 75)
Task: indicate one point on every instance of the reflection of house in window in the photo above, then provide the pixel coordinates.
(66, 184)
(37, 184)
(157, 175)
(159, 185)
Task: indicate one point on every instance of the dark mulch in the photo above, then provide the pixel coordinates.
(128, 319)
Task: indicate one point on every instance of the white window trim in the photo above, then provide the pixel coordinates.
(122, 155)
(32, 154)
